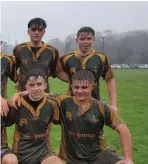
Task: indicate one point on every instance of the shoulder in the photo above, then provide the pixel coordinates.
(68, 54)
(63, 99)
(21, 45)
(1, 55)
(18, 47)
(102, 56)
(52, 48)
(103, 107)
(51, 100)
(65, 57)
(6, 57)
(57, 97)
(99, 103)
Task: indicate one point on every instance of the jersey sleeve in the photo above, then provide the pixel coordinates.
(63, 63)
(60, 98)
(12, 72)
(55, 119)
(11, 69)
(3, 138)
(111, 117)
(10, 119)
(56, 65)
(107, 72)
(16, 54)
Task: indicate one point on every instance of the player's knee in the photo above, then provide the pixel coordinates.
(9, 159)
(52, 160)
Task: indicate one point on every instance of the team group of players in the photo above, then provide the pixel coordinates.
(80, 112)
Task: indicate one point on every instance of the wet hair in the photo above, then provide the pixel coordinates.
(37, 22)
(36, 70)
(83, 75)
(86, 29)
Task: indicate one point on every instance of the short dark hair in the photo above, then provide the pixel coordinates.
(37, 22)
(36, 70)
(83, 75)
(86, 29)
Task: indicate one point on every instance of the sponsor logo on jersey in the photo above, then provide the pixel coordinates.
(24, 61)
(72, 70)
(78, 136)
(95, 69)
(36, 136)
(69, 116)
(46, 63)
(23, 122)
(93, 119)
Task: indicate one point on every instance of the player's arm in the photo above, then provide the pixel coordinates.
(4, 143)
(112, 119)
(12, 71)
(63, 63)
(16, 99)
(4, 107)
(126, 142)
(17, 62)
(107, 74)
(60, 101)
(10, 119)
(15, 57)
(55, 119)
(57, 70)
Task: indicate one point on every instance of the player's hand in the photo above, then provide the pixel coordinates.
(4, 107)
(14, 59)
(114, 107)
(16, 100)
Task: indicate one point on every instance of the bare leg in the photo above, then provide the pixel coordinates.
(52, 160)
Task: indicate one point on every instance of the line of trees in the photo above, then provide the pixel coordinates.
(129, 47)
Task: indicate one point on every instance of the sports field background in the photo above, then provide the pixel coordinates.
(132, 89)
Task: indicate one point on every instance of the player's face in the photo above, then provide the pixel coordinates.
(82, 89)
(36, 33)
(36, 87)
(85, 41)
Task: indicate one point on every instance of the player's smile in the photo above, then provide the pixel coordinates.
(36, 87)
(81, 89)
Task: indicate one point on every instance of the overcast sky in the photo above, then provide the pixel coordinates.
(64, 18)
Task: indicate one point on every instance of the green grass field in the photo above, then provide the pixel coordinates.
(132, 89)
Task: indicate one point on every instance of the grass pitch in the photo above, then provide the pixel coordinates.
(132, 89)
